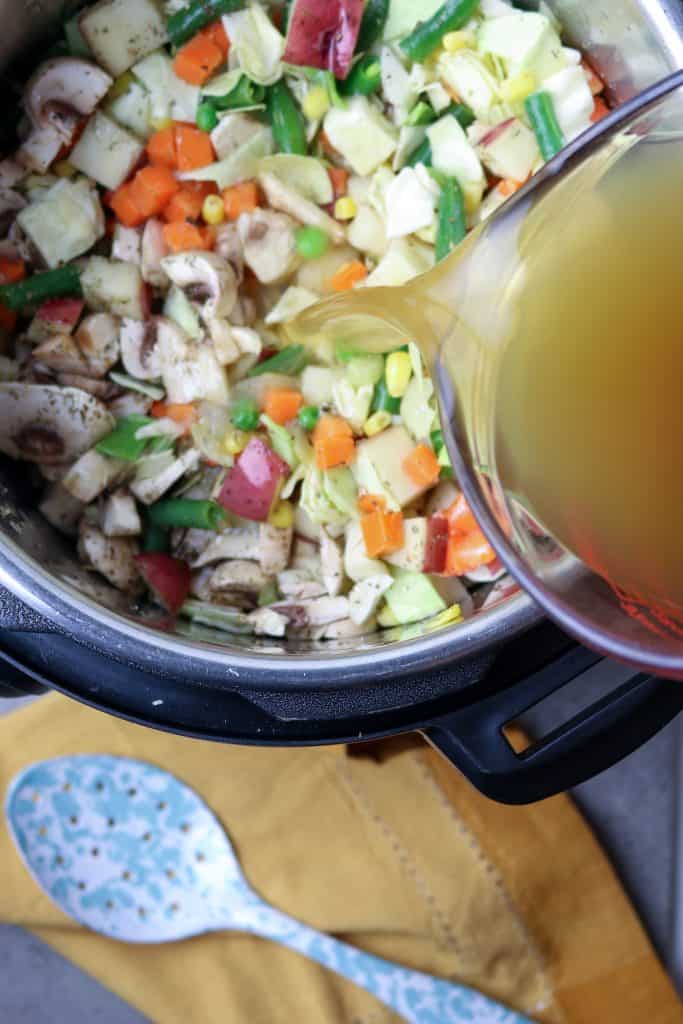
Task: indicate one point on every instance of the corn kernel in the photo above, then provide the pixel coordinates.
(213, 210)
(282, 515)
(160, 124)
(376, 423)
(514, 90)
(316, 103)
(64, 169)
(235, 441)
(345, 208)
(454, 41)
(398, 371)
(446, 617)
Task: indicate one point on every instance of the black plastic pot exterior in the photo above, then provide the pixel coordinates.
(61, 630)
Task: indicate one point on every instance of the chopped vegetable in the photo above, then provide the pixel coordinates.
(309, 416)
(289, 360)
(413, 597)
(189, 20)
(197, 60)
(452, 223)
(123, 443)
(161, 148)
(425, 38)
(348, 275)
(364, 79)
(286, 120)
(282, 405)
(372, 25)
(186, 513)
(257, 46)
(168, 578)
(183, 237)
(155, 540)
(242, 198)
(437, 544)
(50, 285)
(312, 243)
(152, 189)
(193, 148)
(252, 485)
(382, 532)
(188, 201)
(185, 415)
(422, 466)
(541, 113)
(397, 373)
(421, 155)
(339, 177)
(333, 442)
(383, 401)
(245, 414)
(207, 118)
(467, 552)
(324, 35)
(242, 95)
(460, 517)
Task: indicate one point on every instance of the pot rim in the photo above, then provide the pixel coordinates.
(115, 636)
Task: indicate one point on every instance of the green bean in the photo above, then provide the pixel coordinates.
(190, 20)
(382, 401)
(53, 284)
(372, 25)
(289, 360)
(427, 35)
(462, 114)
(286, 120)
(452, 224)
(155, 539)
(421, 114)
(364, 78)
(186, 513)
(122, 442)
(245, 94)
(541, 111)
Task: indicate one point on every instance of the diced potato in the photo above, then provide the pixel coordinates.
(113, 287)
(387, 452)
(106, 152)
(64, 222)
(122, 32)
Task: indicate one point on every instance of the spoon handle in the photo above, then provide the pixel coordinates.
(418, 998)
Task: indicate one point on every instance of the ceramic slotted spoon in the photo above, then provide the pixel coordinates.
(132, 853)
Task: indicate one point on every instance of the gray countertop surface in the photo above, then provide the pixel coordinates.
(631, 807)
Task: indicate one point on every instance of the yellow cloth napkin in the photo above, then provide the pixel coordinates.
(394, 854)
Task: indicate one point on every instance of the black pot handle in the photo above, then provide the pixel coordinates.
(14, 680)
(594, 740)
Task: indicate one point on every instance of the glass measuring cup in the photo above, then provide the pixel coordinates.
(460, 313)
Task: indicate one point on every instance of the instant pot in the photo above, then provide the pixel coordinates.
(62, 628)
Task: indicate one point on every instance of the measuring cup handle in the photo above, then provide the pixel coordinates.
(594, 740)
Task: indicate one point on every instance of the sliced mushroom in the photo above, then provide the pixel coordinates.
(149, 489)
(269, 241)
(112, 557)
(92, 474)
(332, 563)
(229, 247)
(61, 353)
(61, 509)
(102, 389)
(282, 197)
(120, 516)
(225, 347)
(207, 278)
(275, 544)
(154, 250)
(319, 612)
(139, 348)
(189, 370)
(201, 585)
(300, 584)
(238, 576)
(241, 542)
(98, 339)
(130, 403)
(43, 423)
(245, 313)
(366, 595)
(188, 545)
(127, 244)
(64, 90)
(267, 622)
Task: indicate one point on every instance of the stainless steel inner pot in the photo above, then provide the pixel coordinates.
(632, 43)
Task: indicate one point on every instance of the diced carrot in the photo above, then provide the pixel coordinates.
(347, 276)
(197, 60)
(372, 502)
(422, 466)
(508, 186)
(600, 110)
(187, 203)
(382, 532)
(125, 208)
(282, 404)
(12, 271)
(161, 148)
(595, 83)
(467, 552)
(333, 442)
(194, 148)
(460, 517)
(181, 236)
(184, 414)
(152, 189)
(340, 181)
(217, 34)
(242, 198)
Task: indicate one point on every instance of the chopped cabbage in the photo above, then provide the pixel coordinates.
(417, 407)
(404, 15)
(341, 490)
(400, 88)
(526, 41)
(411, 202)
(404, 259)
(281, 441)
(292, 302)
(316, 504)
(240, 165)
(353, 403)
(367, 232)
(256, 44)
(169, 96)
(64, 221)
(572, 99)
(454, 155)
(466, 73)
(305, 174)
(363, 136)
(410, 137)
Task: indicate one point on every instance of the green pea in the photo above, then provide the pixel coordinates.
(245, 414)
(207, 118)
(311, 243)
(309, 416)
